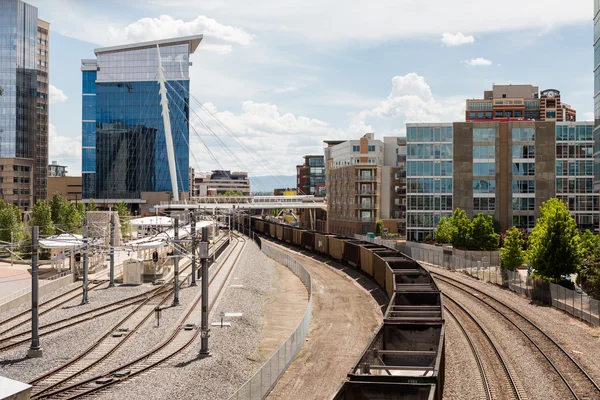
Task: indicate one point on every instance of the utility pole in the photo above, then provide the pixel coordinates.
(194, 245)
(176, 263)
(34, 350)
(84, 300)
(112, 250)
(203, 249)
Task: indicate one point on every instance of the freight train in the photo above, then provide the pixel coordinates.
(405, 359)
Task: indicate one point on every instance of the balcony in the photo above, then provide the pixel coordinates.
(367, 206)
(367, 219)
(368, 192)
(401, 191)
(367, 178)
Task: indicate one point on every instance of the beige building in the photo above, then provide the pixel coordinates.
(363, 179)
(218, 182)
(519, 102)
(68, 186)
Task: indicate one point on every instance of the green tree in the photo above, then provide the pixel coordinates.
(41, 216)
(232, 193)
(554, 247)
(70, 215)
(92, 206)
(123, 212)
(461, 230)
(443, 232)
(482, 235)
(56, 208)
(379, 227)
(11, 226)
(81, 209)
(590, 245)
(512, 253)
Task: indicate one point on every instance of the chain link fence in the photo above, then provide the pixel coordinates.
(265, 379)
(577, 304)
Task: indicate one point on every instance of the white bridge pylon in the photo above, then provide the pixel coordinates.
(164, 102)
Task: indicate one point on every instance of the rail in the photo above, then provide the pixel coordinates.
(265, 379)
(26, 290)
(576, 304)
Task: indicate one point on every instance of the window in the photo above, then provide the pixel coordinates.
(523, 169)
(371, 148)
(484, 204)
(523, 204)
(523, 186)
(484, 152)
(356, 149)
(484, 134)
(532, 105)
(484, 186)
(429, 134)
(523, 134)
(484, 169)
(551, 114)
(498, 114)
(524, 221)
(523, 151)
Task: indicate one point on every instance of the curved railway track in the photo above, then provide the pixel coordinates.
(497, 378)
(48, 305)
(576, 379)
(178, 341)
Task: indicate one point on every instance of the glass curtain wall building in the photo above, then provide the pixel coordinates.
(428, 177)
(124, 147)
(597, 95)
(23, 104)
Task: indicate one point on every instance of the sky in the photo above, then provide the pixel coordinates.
(272, 80)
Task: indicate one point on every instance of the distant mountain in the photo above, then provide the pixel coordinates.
(270, 183)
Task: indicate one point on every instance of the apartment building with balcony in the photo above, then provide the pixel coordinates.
(519, 102)
(361, 184)
(503, 169)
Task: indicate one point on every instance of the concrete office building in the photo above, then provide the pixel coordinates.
(68, 186)
(57, 170)
(220, 181)
(124, 151)
(363, 184)
(310, 176)
(24, 67)
(503, 169)
(519, 102)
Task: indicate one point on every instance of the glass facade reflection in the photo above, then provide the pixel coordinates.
(123, 138)
(18, 78)
(597, 95)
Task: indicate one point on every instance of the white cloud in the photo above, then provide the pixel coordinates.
(379, 20)
(65, 150)
(166, 26)
(478, 62)
(411, 100)
(456, 39)
(262, 132)
(57, 95)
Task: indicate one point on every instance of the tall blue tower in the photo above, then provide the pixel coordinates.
(124, 151)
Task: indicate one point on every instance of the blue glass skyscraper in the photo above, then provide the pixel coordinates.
(124, 150)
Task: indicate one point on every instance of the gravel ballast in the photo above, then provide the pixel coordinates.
(235, 350)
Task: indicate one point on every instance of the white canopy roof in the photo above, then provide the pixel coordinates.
(152, 221)
(64, 241)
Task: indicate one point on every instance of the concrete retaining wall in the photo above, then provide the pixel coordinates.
(44, 289)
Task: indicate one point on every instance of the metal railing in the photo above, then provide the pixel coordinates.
(26, 290)
(265, 379)
(577, 304)
(382, 242)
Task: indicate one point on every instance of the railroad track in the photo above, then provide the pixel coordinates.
(579, 383)
(497, 379)
(48, 305)
(17, 339)
(178, 340)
